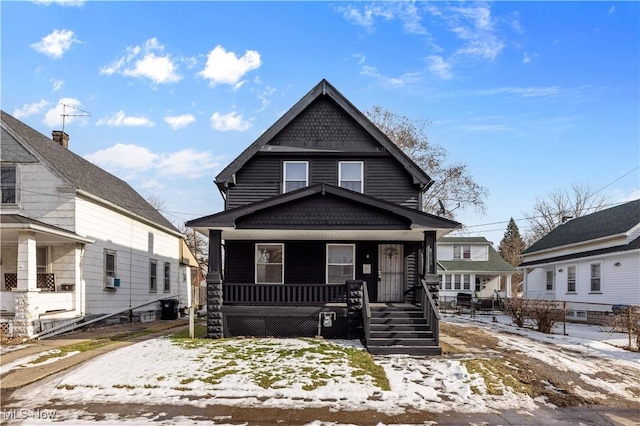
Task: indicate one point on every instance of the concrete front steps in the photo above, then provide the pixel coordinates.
(400, 329)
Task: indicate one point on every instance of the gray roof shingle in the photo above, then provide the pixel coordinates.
(613, 221)
(81, 173)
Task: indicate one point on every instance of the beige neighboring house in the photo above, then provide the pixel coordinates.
(77, 242)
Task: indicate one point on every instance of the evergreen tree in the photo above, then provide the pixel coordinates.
(511, 247)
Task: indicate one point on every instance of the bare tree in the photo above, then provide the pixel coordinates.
(561, 205)
(156, 202)
(454, 186)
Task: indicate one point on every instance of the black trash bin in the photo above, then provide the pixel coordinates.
(169, 309)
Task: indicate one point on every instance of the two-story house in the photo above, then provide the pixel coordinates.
(77, 242)
(321, 198)
(592, 259)
(471, 265)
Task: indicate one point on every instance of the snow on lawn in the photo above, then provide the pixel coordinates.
(301, 373)
(52, 355)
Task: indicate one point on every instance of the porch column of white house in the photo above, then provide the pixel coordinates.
(79, 288)
(27, 286)
(508, 289)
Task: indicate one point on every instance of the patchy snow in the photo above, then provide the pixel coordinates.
(305, 373)
(26, 362)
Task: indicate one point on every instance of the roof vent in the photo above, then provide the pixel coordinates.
(61, 138)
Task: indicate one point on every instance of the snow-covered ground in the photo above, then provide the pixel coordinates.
(299, 373)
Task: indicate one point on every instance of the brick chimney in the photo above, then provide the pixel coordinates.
(60, 137)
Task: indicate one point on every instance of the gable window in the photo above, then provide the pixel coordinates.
(340, 263)
(153, 275)
(8, 184)
(596, 278)
(296, 175)
(462, 252)
(269, 263)
(109, 267)
(150, 242)
(571, 279)
(351, 175)
(551, 276)
(167, 277)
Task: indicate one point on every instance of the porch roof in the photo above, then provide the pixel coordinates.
(12, 224)
(324, 211)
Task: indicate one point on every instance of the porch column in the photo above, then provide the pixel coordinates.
(429, 264)
(508, 289)
(214, 286)
(27, 289)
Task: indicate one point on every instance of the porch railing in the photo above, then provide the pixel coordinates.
(430, 310)
(45, 282)
(366, 312)
(283, 294)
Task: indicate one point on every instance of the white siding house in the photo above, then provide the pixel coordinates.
(590, 259)
(471, 265)
(76, 241)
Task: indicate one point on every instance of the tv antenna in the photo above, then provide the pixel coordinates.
(78, 113)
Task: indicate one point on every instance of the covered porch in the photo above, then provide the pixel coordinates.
(40, 272)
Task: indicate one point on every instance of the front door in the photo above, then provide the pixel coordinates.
(391, 272)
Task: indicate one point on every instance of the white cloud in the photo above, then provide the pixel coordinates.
(178, 121)
(440, 67)
(57, 84)
(231, 121)
(406, 12)
(224, 67)
(135, 160)
(120, 119)
(142, 61)
(404, 79)
(528, 58)
(56, 43)
(525, 92)
(30, 109)
(265, 98)
(475, 27)
(70, 3)
(611, 10)
(53, 117)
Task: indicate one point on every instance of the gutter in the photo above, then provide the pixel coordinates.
(51, 231)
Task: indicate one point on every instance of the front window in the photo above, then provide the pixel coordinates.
(8, 184)
(571, 279)
(467, 282)
(269, 263)
(351, 175)
(296, 175)
(447, 282)
(153, 275)
(595, 277)
(456, 282)
(41, 260)
(550, 279)
(462, 252)
(340, 263)
(167, 277)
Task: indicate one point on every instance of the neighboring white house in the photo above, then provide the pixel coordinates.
(471, 265)
(77, 241)
(593, 258)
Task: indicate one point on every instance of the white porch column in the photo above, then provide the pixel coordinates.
(508, 289)
(27, 290)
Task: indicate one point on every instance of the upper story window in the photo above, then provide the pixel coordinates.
(8, 182)
(153, 275)
(150, 242)
(550, 279)
(571, 279)
(351, 175)
(462, 252)
(167, 277)
(295, 175)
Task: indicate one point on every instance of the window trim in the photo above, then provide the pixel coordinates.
(284, 174)
(255, 262)
(457, 281)
(4, 185)
(460, 251)
(574, 281)
(153, 277)
(361, 163)
(106, 274)
(167, 277)
(599, 278)
(352, 264)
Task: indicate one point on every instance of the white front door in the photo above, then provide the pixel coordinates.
(391, 272)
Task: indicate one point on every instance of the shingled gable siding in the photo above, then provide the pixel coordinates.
(324, 126)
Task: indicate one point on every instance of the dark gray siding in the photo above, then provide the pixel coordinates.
(412, 253)
(389, 181)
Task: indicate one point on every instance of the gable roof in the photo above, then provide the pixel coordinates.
(495, 264)
(465, 240)
(80, 173)
(604, 223)
(414, 218)
(324, 88)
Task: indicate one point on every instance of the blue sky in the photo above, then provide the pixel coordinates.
(532, 96)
